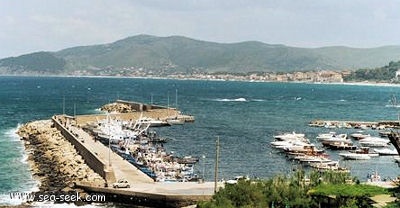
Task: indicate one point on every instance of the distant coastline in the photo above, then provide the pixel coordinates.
(229, 78)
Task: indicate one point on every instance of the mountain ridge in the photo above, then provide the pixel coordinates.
(179, 54)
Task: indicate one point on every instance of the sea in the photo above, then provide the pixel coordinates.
(243, 116)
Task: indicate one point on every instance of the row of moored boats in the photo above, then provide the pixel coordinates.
(297, 147)
(143, 148)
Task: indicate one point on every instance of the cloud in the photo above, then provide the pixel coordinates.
(38, 25)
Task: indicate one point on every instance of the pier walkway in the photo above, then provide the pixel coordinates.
(140, 184)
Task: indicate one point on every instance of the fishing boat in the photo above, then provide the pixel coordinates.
(393, 103)
(153, 122)
(374, 177)
(175, 121)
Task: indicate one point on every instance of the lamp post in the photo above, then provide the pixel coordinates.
(204, 166)
(109, 140)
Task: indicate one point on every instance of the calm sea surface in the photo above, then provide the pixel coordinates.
(244, 115)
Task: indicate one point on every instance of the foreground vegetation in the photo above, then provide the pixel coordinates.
(328, 189)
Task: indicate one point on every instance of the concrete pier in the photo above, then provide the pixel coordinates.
(143, 190)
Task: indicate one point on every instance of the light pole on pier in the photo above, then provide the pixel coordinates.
(109, 140)
(109, 150)
(204, 166)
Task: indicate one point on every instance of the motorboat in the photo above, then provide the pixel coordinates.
(175, 121)
(346, 145)
(359, 135)
(288, 136)
(362, 153)
(326, 166)
(331, 136)
(291, 136)
(374, 142)
(354, 156)
(386, 151)
(384, 133)
(312, 159)
(308, 149)
(289, 143)
(153, 122)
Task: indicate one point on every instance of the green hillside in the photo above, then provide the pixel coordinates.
(381, 74)
(40, 62)
(179, 54)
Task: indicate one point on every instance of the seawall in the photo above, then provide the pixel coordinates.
(90, 158)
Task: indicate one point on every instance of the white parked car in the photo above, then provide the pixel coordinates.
(236, 179)
(121, 183)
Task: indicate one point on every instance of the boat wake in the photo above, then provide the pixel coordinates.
(392, 106)
(232, 100)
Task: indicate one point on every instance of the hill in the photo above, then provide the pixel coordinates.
(176, 54)
(386, 73)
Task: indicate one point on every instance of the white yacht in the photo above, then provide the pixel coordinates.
(360, 154)
(386, 151)
(374, 142)
(290, 136)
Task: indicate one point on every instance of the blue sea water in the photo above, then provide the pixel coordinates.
(243, 115)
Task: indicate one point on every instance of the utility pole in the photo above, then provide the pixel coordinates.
(204, 167)
(64, 105)
(216, 164)
(74, 109)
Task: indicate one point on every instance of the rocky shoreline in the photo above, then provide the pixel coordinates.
(54, 161)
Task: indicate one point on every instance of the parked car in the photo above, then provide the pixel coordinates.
(121, 183)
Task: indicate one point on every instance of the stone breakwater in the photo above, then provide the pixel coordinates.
(117, 107)
(54, 161)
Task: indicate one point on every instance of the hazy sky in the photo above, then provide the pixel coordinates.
(50, 25)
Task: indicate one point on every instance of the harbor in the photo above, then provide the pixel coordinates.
(153, 176)
(245, 134)
(329, 150)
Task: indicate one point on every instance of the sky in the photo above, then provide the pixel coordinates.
(28, 26)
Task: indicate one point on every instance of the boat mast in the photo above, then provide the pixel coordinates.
(168, 104)
(176, 99)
